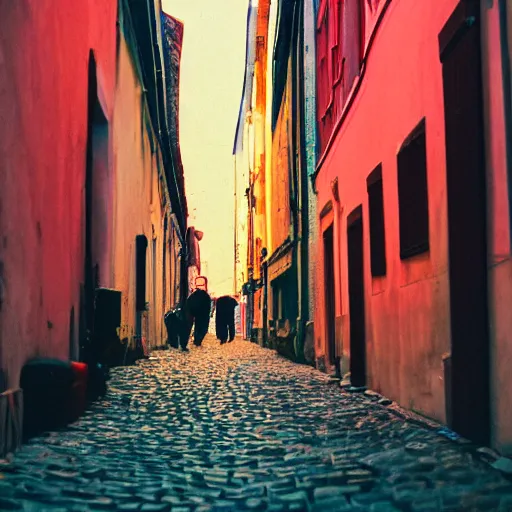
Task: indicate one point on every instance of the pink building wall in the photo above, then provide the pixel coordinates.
(407, 311)
(43, 136)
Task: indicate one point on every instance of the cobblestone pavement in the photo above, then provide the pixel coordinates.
(236, 427)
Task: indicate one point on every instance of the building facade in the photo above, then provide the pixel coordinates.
(243, 158)
(413, 205)
(90, 176)
(274, 151)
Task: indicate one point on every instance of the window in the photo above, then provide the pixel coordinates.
(277, 303)
(337, 41)
(413, 194)
(377, 229)
(141, 244)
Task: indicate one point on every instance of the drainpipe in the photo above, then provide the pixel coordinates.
(235, 230)
(304, 199)
(337, 264)
(264, 273)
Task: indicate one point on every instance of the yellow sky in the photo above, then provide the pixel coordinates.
(212, 68)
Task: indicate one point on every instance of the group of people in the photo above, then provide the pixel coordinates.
(197, 314)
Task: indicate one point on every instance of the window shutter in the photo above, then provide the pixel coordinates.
(377, 224)
(413, 194)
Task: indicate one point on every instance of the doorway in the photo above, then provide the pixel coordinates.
(330, 313)
(97, 203)
(141, 245)
(467, 245)
(153, 306)
(356, 298)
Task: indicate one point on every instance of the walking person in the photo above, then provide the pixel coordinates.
(225, 318)
(197, 313)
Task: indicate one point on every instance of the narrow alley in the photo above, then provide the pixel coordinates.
(238, 427)
(256, 255)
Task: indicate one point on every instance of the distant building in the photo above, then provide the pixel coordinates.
(274, 153)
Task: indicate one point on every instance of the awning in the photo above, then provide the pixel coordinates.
(281, 264)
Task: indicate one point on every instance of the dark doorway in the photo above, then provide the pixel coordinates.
(465, 170)
(141, 245)
(89, 265)
(165, 246)
(356, 298)
(330, 313)
(97, 208)
(154, 291)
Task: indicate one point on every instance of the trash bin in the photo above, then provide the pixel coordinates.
(174, 325)
(47, 395)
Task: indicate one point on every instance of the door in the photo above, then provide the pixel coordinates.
(97, 216)
(330, 319)
(154, 310)
(465, 171)
(356, 298)
(88, 289)
(141, 245)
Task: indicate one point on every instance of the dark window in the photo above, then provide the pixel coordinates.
(413, 194)
(141, 244)
(377, 233)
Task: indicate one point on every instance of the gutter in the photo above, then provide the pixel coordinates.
(353, 93)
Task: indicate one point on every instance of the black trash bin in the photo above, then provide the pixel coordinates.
(47, 395)
(173, 320)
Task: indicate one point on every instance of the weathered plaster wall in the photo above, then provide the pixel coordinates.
(407, 312)
(259, 119)
(500, 262)
(139, 208)
(43, 134)
(44, 82)
(280, 203)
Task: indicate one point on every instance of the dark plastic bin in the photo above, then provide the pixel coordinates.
(47, 395)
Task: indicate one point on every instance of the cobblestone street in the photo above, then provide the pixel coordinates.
(236, 427)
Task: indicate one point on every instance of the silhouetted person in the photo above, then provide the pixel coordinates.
(197, 313)
(175, 326)
(225, 318)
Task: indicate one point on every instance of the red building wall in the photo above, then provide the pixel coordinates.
(407, 311)
(43, 136)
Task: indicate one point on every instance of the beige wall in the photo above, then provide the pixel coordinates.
(140, 208)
